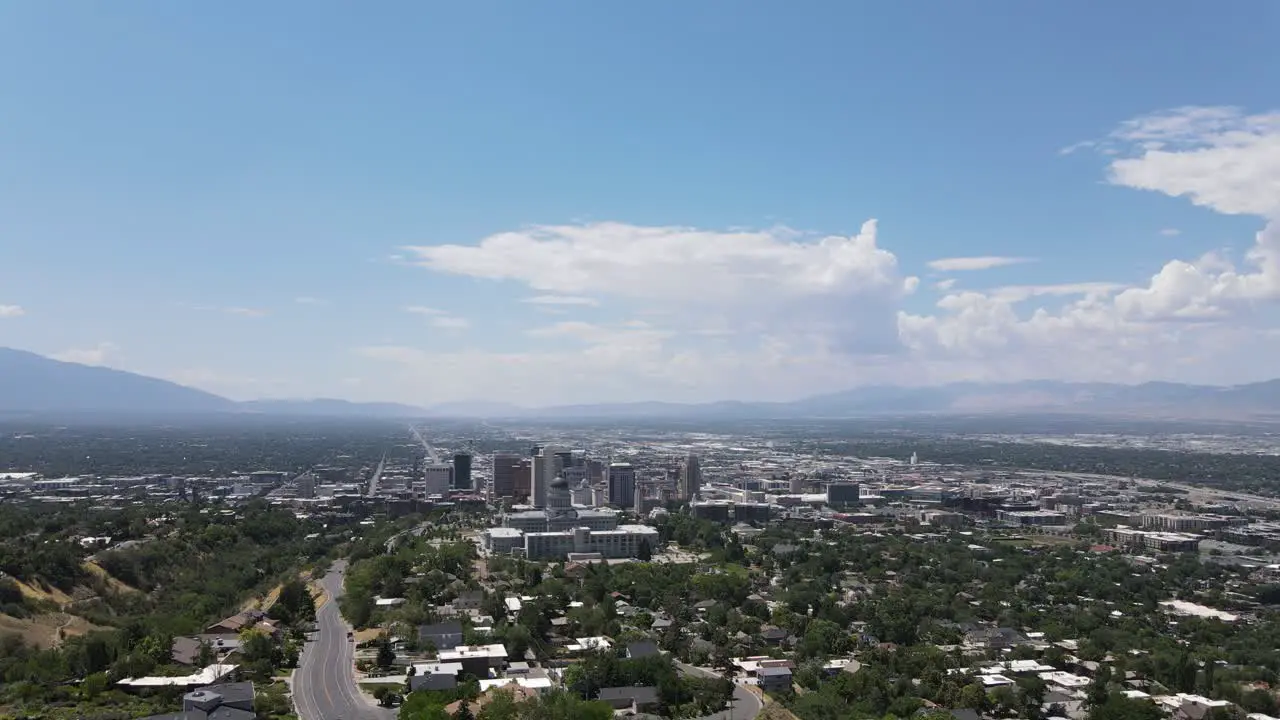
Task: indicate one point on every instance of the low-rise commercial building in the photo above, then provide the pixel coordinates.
(1163, 541)
(1032, 517)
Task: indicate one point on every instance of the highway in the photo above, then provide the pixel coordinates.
(377, 476)
(431, 452)
(745, 705)
(324, 685)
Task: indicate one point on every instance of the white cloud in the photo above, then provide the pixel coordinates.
(775, 313)
(961, 264)
(1017, 293)
(1171, 232)
(1218, 157)
(98, 355)
(438, 318)
(770, 281)
(670, 262)
(12, 311)
(561, 300)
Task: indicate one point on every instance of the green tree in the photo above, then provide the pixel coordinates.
(386, 656)
(256, 645)
(93, 686)
(1119, 707)
(502, 705)
(974, 696)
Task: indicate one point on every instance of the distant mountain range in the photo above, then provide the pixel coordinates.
(34, 383)
(31, 383)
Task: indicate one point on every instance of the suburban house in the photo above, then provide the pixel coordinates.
(773, 679)
(517, 692)
(441, 635)
(435, 676)
(477, 659)
(994, 638)
(185, 651)
(438, 681)
(636, 699)
(230, 701)
(233, 625)
(642, 649)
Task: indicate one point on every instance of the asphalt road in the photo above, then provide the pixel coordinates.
(746, 704)
(431, 452)
(324, 685)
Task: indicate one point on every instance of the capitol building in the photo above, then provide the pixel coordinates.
(561, 530)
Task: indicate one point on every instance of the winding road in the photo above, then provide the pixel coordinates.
(746, 704)
(324, 685)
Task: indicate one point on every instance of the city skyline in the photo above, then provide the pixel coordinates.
(569, 205)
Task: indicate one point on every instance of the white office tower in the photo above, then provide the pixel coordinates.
(544, 472)
(914, 458)
(690, 478)
(435, 479)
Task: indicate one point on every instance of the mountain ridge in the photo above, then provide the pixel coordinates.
(32, 383)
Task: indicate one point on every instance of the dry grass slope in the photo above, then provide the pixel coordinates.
(113, 584)
(48, 630)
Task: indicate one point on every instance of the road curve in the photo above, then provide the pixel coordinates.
(746, 704)
(324, 685)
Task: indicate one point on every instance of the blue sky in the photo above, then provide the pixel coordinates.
(574, 202)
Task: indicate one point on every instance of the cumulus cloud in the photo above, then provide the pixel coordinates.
(1217, 157)
(1018, 293)
(961, 264)
(754, 313)
(1220, 158)
(100, 354)
(12, 311)
(670, 262)
(769, 281)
